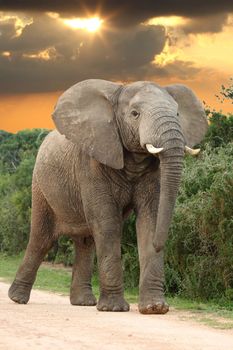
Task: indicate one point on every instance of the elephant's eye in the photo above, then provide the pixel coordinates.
(135, 114)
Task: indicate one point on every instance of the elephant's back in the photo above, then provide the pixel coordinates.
(54, 154)
(53, 148)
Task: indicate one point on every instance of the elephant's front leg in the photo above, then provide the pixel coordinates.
(151, 287)
(103, 205)
(107, 235)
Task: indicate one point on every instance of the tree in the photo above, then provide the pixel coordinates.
(226, 93)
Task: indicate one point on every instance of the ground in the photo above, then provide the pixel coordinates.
(50, 322)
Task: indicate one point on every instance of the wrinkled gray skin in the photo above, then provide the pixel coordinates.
(92, 171)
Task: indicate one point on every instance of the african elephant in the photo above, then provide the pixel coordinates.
(116, 148)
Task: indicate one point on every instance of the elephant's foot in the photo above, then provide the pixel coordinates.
(20, 291)
(112, 302)
(153, 306)
(84, 299)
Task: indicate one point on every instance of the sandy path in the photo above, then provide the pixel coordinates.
(50, 322)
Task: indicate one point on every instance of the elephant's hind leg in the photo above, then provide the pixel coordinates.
(40, 241)
(81, 289)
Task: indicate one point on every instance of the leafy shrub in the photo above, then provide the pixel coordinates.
(17, 158)
(220, 130)
(64, 252)
(201, 235)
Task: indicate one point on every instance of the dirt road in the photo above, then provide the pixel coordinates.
(50, 322)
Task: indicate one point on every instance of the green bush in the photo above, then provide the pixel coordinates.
(62, 252)
(200, 245)
(220, 130)
(17, 159)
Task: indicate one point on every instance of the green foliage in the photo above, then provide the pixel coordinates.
(63, 252)
(220, 130)
(201, 236)
(13, 147)
(226, 92)
(17, 158)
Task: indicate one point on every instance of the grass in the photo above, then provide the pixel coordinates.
(208, 313)
(48, 277)
(54, 278)
(57, 279)
(215, 323)
(200, 307)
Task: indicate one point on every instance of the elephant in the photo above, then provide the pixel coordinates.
(116, 148)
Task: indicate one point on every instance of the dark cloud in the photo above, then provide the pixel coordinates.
(49, 56)
(124, 12)
(7, 30)
(44, 32)
(74, 55)
(179, 35)
(209, 24)
(26, 75)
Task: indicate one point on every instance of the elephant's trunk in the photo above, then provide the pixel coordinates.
(170, 169)
(165, 133)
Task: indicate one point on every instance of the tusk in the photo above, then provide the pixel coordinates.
(151, 149)
(193, 152)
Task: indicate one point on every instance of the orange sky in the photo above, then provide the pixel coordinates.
(209, 53)
(26, 111)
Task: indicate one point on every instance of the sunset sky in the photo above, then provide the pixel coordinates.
(47, 46)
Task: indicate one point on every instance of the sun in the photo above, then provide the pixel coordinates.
(92, 24)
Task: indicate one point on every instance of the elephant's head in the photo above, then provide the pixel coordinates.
(104, 117)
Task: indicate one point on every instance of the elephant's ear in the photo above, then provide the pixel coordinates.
(191, 113)
(85, 115)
